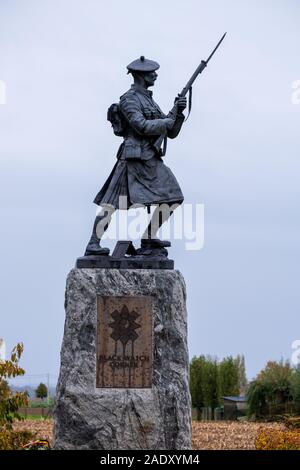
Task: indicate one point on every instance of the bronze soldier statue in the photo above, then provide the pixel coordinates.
(140, 175)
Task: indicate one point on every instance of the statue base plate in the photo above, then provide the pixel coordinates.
(130, 262)
(125, 256)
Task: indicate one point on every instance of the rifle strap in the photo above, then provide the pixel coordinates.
(190, 103)
(164, 150)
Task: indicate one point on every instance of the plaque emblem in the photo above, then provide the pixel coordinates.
(124, 326)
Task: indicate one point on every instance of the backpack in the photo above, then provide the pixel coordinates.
(117, 120)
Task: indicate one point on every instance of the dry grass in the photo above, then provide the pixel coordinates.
(42, 428)
(206, 435)
(227, 435)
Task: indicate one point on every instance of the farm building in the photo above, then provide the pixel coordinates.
(234, 407)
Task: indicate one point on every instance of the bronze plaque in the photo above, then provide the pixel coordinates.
(124, 342)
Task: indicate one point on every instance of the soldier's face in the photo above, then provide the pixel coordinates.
(150, 78)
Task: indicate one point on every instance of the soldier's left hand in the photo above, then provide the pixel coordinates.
(181, 103)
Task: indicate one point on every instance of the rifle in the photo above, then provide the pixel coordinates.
(188, 88)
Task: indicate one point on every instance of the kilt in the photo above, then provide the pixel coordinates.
(147, 182)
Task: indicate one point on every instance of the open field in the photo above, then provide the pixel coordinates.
(42, 427)
(227, 435)
(206, 435)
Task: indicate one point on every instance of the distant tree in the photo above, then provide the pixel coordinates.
(41, 391)
(229, 377)
(196, 381)
(242, 381)
(11, 402)
(277, 375)
(272, 386)
(210, 387)
(257, 398)
(204, 382)
(295, 388)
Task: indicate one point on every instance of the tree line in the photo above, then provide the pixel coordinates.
(211, 379)
(275, 390)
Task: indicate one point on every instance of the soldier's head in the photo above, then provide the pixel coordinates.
(143, 71)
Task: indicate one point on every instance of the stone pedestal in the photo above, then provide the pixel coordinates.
(123, 380)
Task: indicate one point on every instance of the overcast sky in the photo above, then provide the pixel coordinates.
(64, 62)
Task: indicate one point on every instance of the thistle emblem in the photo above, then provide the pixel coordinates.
(124, 325)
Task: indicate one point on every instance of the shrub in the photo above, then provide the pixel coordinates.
(293, 422)
(274, 439)
(11, 402)
(14, 440)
